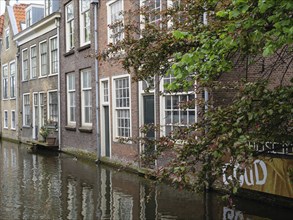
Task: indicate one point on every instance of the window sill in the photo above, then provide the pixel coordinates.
(12, 98)
(85, 129)
(122, 140)
(69, 53)
(41, 77)
(5, 99)
(87, 46)
(55, 74)
(70, 128)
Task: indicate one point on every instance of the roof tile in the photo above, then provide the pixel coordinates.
(1, 24)
(19, 13)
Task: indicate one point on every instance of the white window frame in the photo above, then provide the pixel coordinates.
(109, 20)
(156, 8)
(105, 102)
(42, 109)
(85, 23)
(49, 107)
(69, 104)
(13, 120)
(12, 80)
(48, 7)
(52, 61)
(5, 82)
(24, 111)
(68, 23)
(7, 38)
(45, 53)
(5, 119)
(105, 92)
(145, 3)
(28, 17)
(25, 72)
(116, 109)
(35, 66)
(163, 109)
(83, 104)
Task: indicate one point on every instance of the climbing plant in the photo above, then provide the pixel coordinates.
(202, 40)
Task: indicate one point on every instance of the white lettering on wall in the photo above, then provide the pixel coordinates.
(249, 177)
(232, 214)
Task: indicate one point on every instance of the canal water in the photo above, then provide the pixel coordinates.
(47, 185)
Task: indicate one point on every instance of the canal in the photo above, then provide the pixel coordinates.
(51, 185)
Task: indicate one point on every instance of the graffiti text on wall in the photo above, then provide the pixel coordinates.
(273, 147)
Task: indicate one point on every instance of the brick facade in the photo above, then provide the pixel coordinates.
(77, 59)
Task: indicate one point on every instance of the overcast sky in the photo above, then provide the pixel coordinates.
(12, 2)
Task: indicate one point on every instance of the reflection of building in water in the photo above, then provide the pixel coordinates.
(122, 206)
(30, 185)
(9, 188)
(72, 199)
(87, 203)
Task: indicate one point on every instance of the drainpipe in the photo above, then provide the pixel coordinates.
(57, 23)
(206, 94)
(206, 99)
(96, 4)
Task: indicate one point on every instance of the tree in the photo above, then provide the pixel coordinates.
(234, 32)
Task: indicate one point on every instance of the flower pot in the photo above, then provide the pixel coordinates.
(51, 141)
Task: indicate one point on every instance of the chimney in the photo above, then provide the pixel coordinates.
(7, 2)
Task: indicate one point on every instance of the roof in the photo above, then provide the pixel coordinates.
(16, 15)
(1, 24)
(19, 13)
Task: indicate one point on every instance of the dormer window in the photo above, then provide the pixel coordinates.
(28, 18)
(48, 7)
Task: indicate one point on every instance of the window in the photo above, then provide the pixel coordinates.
(69, 16)
(5, 81)
(85, 27)
(86, 98)
(122, 107)
(12, 80)
(28, 18)
(26, 110)
(175, 116)
(48, 7)
(13, 122)
(7, 38)
(105, 87)
(54, 56)
(154, 7)
(115, 19)
(71, 99)
(5, 119)
(42, 111)
(44, 58)
(25, 75)
(53, 107)
(33, 62)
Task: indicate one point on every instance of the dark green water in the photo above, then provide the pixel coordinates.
(46, 185)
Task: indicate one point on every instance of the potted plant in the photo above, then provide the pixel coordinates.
(44, 132)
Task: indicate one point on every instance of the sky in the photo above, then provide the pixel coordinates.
(12, 2)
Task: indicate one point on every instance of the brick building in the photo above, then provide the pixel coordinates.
(11, 24)
(78, 76)
(38, 66)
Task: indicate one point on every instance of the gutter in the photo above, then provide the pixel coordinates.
(96, 4)
(57, 23)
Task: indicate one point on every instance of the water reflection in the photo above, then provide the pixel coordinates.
(48, 185)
